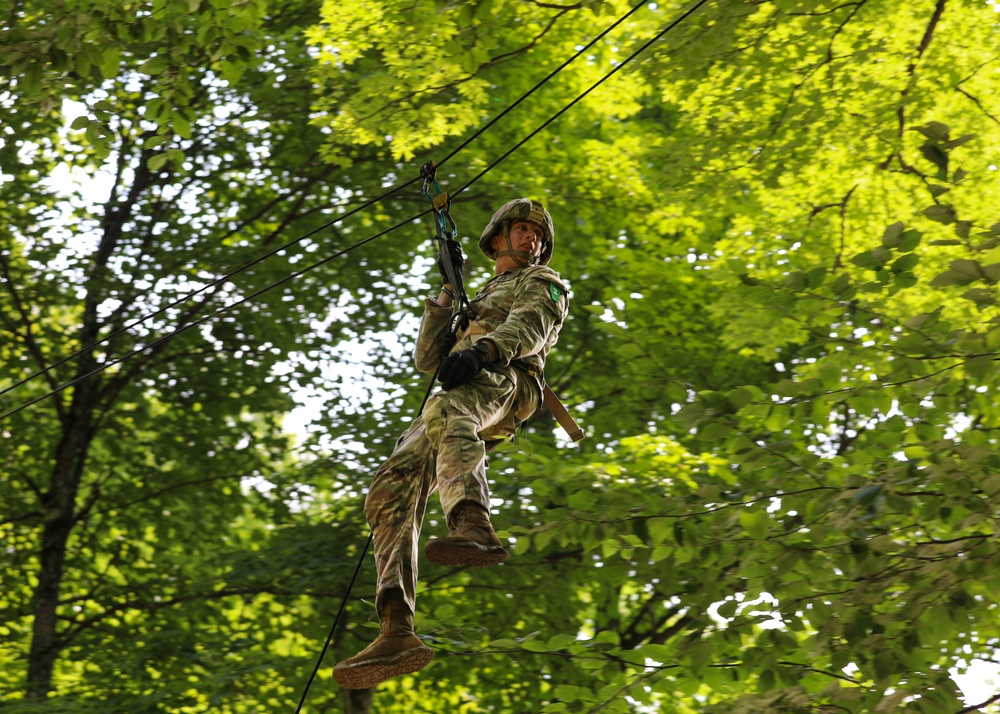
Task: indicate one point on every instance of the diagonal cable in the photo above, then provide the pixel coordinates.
(683, 16)
(184, 328)
(204, 288)
(289, 244)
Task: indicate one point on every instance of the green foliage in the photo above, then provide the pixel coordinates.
(781, 233)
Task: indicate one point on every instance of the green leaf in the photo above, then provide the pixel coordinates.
(728, 608)
(796, 281)
(156, 65)
(941, 213)
(155, 141)
(629, 350)
(960, 272)
(893, 235)
(233, 71)
(983, 297)
(561, 641)
(934, 130)
(181, 125)
(816, 277)
(755, 521)
(906, 262)
(504, 643)
(157, 162)
(867, 494)
(955, 143)
(910, 240)
(980, 367)
(991, 486)
(937, 156)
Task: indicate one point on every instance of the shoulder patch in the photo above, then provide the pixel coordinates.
(555, 292)
(543, 272)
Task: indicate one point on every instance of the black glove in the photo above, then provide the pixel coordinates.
(460, 367)
(457, 259)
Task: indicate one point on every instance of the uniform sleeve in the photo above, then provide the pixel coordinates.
(432, 326)
(539, 308)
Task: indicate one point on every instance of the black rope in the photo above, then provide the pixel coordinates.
(336, 620)
(208, 286)
(289, 244)
(594, 86)
(357, 570)
(539, 84)
(184, 328)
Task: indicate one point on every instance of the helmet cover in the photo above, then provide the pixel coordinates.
(526, 209)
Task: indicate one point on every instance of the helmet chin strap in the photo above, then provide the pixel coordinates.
(521, 257)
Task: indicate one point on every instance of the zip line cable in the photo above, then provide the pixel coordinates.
(344, 251)
(184, 328)
(336, 620)
(354, 578)
(228, 276)
(683, 16)
(214, 283)
(545, 79)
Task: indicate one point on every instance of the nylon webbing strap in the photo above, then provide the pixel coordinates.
(561, 414)
(446, 231)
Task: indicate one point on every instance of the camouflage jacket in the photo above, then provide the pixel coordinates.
(521, 311)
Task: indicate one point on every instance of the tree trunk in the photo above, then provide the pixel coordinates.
(59, 507)
(78, 430)
(359, 701)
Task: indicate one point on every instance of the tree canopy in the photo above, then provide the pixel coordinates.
(779, 225)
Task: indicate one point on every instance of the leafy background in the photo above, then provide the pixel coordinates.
(780, 228)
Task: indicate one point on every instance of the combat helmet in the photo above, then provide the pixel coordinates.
(525, 209)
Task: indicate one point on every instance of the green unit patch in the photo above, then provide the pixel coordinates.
(555, 291)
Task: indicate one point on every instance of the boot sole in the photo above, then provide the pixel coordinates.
(441, 552)
(365, 675)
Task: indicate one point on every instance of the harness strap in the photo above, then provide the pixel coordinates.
(521, 257)
(562, 415)
(552, 402)
(472, 329)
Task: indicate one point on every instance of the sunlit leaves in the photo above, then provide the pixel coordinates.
(782, 344)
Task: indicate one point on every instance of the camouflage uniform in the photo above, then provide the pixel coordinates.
(521, 311)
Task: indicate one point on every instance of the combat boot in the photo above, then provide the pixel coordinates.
(397, 650)
(471, 539)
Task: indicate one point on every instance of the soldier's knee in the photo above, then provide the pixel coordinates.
(439, 417)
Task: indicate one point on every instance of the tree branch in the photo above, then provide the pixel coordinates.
(168, 489)
(492, 62)
(29, 339)
(978, 104)
(825, 12)
(911, 71)
(80, 625)
(979, 707)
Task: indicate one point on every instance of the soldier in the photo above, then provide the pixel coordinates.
(491, 381)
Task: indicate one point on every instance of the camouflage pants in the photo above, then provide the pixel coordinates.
(443, 450)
